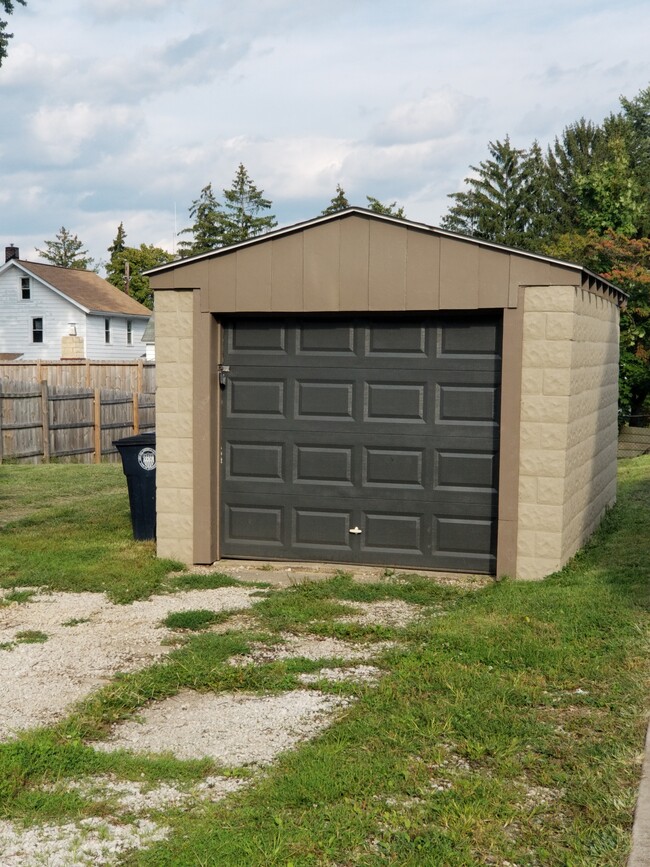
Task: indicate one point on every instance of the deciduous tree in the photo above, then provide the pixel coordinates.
(626, 263)
(127, 265)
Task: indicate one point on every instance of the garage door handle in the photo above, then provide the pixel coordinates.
(356, 531)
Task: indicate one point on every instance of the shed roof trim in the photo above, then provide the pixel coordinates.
(409, 224)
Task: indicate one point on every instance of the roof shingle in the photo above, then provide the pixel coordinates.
(86, 288)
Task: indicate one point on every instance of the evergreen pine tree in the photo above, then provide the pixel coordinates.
(207, 228)
(338, 202)
(66, 251)
(502, 202)
(389, 210)
(238, 219)
(241, 216)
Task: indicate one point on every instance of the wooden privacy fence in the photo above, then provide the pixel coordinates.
(137, 375)
(43, 422)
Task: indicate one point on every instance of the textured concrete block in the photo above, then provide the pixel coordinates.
(553, 435)
(559, 326)
(543, 518)
(558, 381)
(546, 353)
(545, 409)
(542, 462)
(551, 491)
(532, 380)
(528, 489)
(549, 545)
(526, 543)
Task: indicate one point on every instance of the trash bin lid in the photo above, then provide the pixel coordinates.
(143, 439)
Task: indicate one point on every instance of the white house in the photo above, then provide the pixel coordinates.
(50, 313)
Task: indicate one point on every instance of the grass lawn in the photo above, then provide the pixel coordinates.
(506, 732)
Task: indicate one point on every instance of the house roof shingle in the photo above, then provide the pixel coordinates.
(86, 288)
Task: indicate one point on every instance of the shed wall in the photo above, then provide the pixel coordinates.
(568, 423)
(174, 425)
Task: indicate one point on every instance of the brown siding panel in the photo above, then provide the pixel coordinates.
(286, 273)
(422, 271)
(355, 256)
(222, 283)
(459, 267)
(254, 279)
(321, 269)
(387, 290)
(494, 276)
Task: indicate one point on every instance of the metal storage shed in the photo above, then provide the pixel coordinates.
(363, 389)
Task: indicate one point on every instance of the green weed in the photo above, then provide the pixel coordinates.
(31, 636)
(194, 620)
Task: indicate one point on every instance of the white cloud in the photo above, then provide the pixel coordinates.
(436, 115)
(65, 131)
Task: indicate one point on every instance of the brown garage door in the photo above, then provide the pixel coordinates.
(362, 440)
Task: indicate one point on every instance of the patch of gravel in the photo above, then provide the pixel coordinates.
(234, 729)
(132, 796)
(312, 647)
(387, 612)
(41, 681)
(357, 673)
(87, 842)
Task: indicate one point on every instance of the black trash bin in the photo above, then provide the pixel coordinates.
(138, 455)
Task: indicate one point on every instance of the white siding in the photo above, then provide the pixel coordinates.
(18, 314)
(118, 348)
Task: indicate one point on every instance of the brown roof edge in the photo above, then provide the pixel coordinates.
(364, 212)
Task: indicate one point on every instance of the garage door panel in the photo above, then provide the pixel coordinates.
(464, 404)
(395, 402)
(256, 397)
(324, 340)
(257, 337)
(458, 469)
(321, 464)
(254, 462)
(315, 527)
(362, 441)
(469, 339)
(399, 532)
(254, 523)
(391, 340)
(399, 468)
(324, 400)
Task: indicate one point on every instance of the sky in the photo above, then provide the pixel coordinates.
(123, 110)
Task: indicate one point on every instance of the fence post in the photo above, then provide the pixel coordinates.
(97, 406)
(136, 413)
(45, 420)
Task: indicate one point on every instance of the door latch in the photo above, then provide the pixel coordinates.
(356, 531)
(224, 370)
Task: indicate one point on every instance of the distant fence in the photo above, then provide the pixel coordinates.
(633, 441)
(129, 376)
(39, 423)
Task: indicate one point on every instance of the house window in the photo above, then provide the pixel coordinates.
(129, 332)
(25, 288)
(107, 330)
(37, 330)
